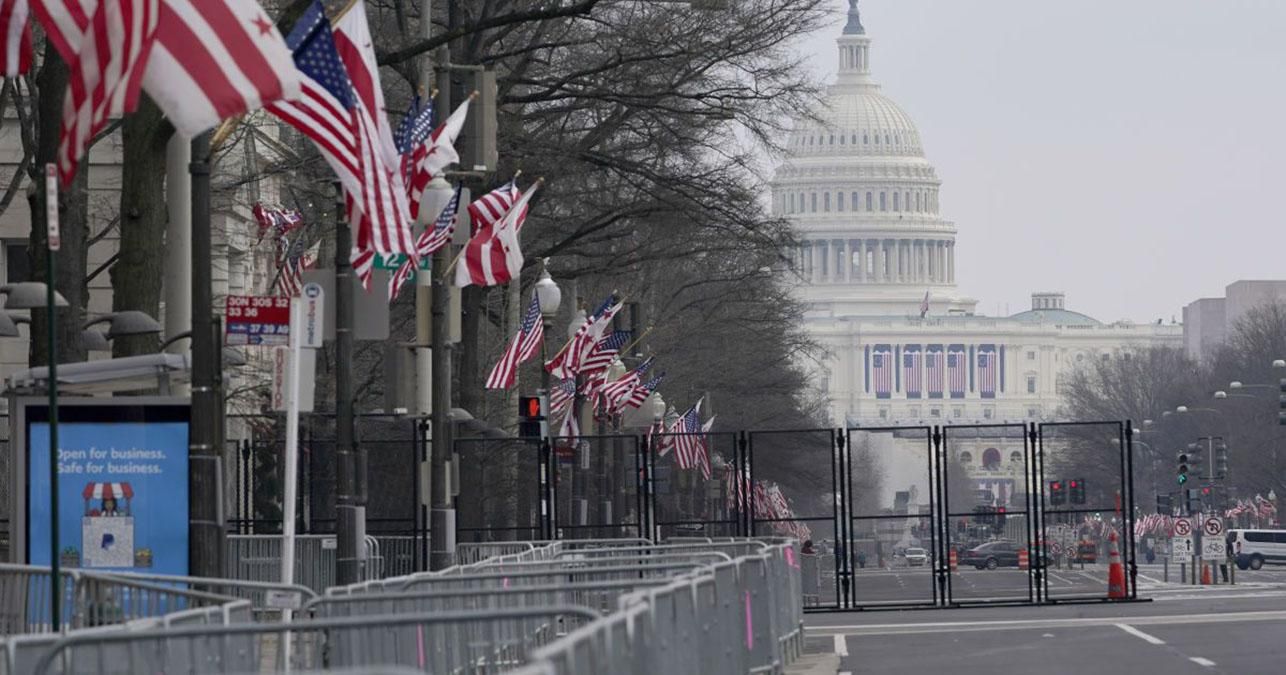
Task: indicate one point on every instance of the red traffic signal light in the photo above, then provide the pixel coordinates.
(529, 407)
(1055, 485)
(1205, 490)
(1071, 484)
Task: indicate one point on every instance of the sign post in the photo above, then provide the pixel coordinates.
(53, 239)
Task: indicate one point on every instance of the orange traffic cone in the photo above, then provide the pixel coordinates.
(952, 560)
(1115, 571)
(1205, 575)
(1022, 559)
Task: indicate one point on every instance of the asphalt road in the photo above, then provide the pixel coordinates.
(1212, 629)
(914, 585)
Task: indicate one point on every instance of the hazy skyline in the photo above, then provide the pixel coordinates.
(1122, 153)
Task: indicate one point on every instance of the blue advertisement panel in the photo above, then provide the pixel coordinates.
(122, 487)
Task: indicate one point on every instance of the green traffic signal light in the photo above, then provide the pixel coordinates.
(1183, 478)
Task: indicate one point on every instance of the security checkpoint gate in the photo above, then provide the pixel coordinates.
(898, 516)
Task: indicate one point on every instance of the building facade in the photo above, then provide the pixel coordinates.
(877, 271)
(1207, 322)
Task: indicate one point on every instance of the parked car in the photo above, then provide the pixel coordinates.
(992, 555)
(1254, 548)
(916, 557)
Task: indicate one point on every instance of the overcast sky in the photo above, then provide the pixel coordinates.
(1128, 153)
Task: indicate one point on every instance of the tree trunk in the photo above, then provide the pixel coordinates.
(51, 85)
(137, 274)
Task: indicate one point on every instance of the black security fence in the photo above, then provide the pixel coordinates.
(925, 516)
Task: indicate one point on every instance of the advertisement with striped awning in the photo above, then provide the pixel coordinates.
(108, 490)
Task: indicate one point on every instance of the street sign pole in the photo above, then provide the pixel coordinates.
(53, 239)
(291, 470)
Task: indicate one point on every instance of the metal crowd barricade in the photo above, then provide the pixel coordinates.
(476, 642)
(267, 599)
(88, 599)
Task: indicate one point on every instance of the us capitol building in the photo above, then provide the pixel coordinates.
(875, 250)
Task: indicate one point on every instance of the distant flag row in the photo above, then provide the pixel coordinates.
(206, 62)
(766, 500)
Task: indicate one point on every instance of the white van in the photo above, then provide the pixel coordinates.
(1253, 548)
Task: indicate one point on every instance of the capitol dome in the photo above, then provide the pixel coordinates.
(864, 200)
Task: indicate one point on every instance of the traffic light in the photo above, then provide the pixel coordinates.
(1165, 505)
(1076, 490)
(531, 417)
(1193, 500)
(1057, 497)
(1281, 415)
(1221, 458)
(1197, 458)
(1183, 467)
(1000, 519)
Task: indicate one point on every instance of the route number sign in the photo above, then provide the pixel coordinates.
(257, 320)
(1213, 526)
(1183, 527)
(1181, 548)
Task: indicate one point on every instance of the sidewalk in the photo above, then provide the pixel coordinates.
(815, 664)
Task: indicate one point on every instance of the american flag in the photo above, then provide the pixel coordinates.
(935, 370)
(882, 370)
(280, 222)
(16, 33)
(108, 52)
(430, 240)
(291, 265)
(521, 348)
(567, 362)
(380, 209)
(431, 156)
(912, 370)
(561, 396)
(957, 371)
(493, 206)
(493, 256)
(987, 367)
(415, 127)
(617, 393)
(738, 487)
(703, 449)
(324, 110)
(569, 429)
(216, 60)
(641, 392)
(685, 436)
(605, 351)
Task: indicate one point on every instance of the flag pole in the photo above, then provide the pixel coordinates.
(224, 130)
(637, 340)
(340, 14)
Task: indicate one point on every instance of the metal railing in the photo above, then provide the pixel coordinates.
(561, 608)
(88, 599)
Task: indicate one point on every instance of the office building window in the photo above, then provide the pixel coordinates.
(16, 268)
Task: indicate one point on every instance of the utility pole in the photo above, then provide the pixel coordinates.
(206, 543)
(350, 513)
(441, 515)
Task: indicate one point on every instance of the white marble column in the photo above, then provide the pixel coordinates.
(941, 256)
(881, 262)
(863, 269)
(951, 262)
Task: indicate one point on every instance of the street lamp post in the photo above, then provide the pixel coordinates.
(550, 297)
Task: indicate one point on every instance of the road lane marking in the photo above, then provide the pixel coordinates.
(1022, 624)
(1140, 634)
(841, 645)
(1201, 661)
